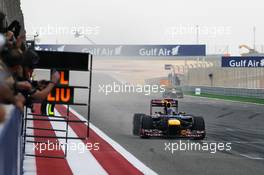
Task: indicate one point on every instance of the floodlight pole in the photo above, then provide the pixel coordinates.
(254, 37)
(197, 34)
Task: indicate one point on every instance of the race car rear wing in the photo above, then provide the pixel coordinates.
(162, 103)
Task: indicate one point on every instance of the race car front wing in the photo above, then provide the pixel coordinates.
(183, 133)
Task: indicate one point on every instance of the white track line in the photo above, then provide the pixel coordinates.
(127, 155)
(29, 164)
(80, 162)
(252, 157)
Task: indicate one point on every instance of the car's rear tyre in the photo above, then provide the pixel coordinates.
(137, 123)
(199, 125)
(146, 123)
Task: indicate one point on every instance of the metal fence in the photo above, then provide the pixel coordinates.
(251, 78)
(207, 71)
(241, 92)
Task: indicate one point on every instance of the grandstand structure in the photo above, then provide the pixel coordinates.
(207, 71)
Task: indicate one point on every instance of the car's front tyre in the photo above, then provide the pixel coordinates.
(146, 124)
(137, 123)
(199, 125)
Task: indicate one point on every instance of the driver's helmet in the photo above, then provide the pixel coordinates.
(167, 104)
(167, 108)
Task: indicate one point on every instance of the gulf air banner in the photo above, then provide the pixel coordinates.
(241, 62)
(130, 50)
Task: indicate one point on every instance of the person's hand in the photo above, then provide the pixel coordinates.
(55, 77)
(2, 114)
(20, 39)
(42, 84)
(20, 101)
(10, 39)
(9, 35)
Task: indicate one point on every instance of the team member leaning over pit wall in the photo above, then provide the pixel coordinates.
(41, 89)
(21, 66)
(7, 83)
(7, 94)
(17, 64)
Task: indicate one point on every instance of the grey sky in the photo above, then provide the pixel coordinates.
(221, 22)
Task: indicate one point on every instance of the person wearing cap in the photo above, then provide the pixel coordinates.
(7, 84)
(30, 61)
(13, 59)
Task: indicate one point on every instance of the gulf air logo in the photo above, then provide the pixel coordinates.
(175, 50)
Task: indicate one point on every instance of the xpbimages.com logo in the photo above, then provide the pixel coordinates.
(211, 147)
(72, 146)
(130, 88)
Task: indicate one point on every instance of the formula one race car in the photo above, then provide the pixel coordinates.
(173, 92)
(168, 122)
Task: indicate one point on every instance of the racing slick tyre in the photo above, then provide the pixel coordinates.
(136, 123)
(198, 125)
(146, 123)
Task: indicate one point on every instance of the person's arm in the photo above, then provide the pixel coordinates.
(23, 85)
(7, 97)
(2, 113)
(20, 101)
(43, 94)
(20, 40)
